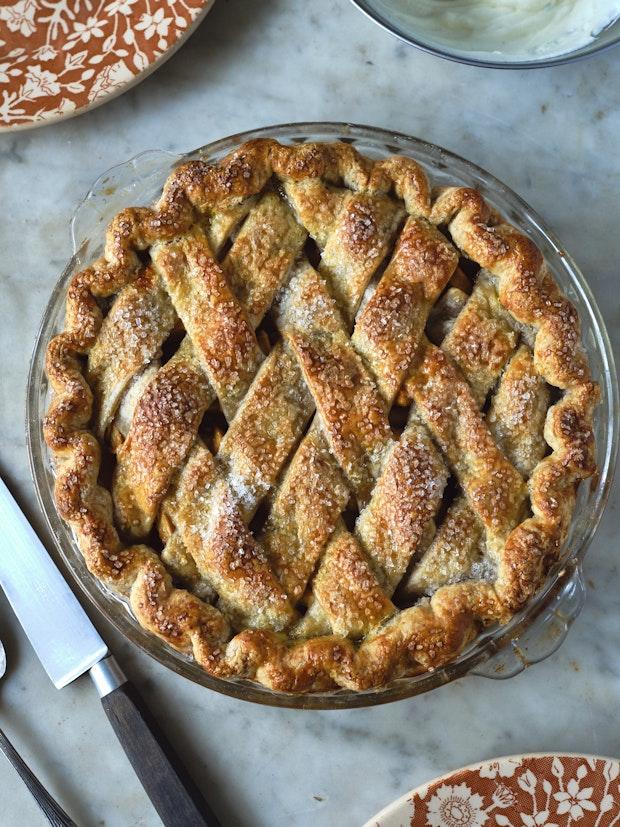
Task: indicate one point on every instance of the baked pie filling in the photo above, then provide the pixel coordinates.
(318, 423)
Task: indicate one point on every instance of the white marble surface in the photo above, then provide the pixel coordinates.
(552, 135)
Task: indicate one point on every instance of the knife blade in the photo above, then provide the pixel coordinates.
(68, 645)
(66, 642)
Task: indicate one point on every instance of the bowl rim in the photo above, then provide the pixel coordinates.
(582, 53)
(488, 643)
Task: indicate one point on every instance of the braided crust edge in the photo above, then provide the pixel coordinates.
(419, 638)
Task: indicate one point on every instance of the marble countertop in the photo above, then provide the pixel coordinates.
(551, 135)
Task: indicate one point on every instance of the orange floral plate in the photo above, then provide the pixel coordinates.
(59, 58)
(521, 791)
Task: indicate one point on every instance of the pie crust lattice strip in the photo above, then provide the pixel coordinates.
(316, 421)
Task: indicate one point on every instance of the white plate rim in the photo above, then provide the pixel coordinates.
(392, 809)
(115, 93)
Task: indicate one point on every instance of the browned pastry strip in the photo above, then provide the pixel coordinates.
(443, 316)
(304, 512)
(492, 485)
(424, 636)
(388, 329)
(518, 412)
(134, 392)
(223, 549)
(317, 206)
(217, 325)
(481, 340)
(162, 431)
(266, 429)
(355, 240)
(182, 566)
(262, 254)
(388, 532)
(352, 413)
(347, 589)
(130, 338)
(405, 500)
(456, 550)
(220, 225)
(255, 598)
(277, 408)
(360, 240)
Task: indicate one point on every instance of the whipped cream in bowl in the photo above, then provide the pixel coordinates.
(501, 31)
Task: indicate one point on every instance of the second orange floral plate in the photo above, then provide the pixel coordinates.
(59, 58)
(522, 791)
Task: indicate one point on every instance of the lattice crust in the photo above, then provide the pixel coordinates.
(344, 441)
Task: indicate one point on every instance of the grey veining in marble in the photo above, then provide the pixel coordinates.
(553, 136)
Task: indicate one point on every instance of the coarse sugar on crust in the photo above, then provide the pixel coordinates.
(334, 456)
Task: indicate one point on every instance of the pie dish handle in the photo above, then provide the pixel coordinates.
(545, 634)
(137, 181)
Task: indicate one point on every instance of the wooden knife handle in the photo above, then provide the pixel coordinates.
(173, 793)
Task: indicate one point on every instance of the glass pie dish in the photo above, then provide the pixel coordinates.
(531, 635)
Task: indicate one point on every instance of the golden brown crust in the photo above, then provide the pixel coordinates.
(352, 207)
(388, 329)
(447, 406)
(518, 411)
(130, 338)
(481, 340)
(162, 431)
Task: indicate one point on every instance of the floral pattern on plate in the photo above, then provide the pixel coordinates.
(525, 791)
(60, 57)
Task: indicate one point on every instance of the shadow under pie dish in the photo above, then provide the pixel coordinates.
(342, 418)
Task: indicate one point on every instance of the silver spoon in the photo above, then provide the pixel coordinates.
(52, 810)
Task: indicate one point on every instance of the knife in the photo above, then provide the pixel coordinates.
(68, 645)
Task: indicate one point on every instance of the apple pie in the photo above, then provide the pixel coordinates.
(318, 423)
